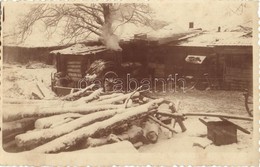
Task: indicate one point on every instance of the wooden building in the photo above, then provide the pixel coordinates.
(75, 60)
(227, 57)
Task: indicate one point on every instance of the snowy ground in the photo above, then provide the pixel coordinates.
(194, 139)
(19, 81)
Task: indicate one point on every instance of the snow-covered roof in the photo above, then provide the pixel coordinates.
(80, 49)
(218, 39)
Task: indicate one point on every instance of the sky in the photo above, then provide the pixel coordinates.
(207, 15)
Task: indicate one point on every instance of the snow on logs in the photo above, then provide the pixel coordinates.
(67, 141)
(85, 119)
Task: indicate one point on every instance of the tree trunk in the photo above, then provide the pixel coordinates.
(49, 122)
(21, 111)
(67, 141)
(117, 99)
(78, 94)
(93, 96)
(106, 97)
(36, 138)
(20, 126)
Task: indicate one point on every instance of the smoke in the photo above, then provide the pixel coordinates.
(110, 40)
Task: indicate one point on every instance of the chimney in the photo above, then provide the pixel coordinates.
(191, 25)
(219, 29)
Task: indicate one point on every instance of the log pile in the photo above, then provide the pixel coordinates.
(81, 120)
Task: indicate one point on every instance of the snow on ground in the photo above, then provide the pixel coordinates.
(195, 138)
(19, 82)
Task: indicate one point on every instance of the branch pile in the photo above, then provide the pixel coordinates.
(81, 120)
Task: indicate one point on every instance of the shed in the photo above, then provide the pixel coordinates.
(228, 59)
(76, 59)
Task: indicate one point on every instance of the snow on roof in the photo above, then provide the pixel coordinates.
(218, 39)
(80, 49)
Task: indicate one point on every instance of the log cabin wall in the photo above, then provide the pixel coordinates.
(237, 66)
(166, 60)
(134, 51)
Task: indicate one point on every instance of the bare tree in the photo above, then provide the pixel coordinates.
(81, 20)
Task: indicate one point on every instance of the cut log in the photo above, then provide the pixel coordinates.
(134, 134)
(161, 124)
(21, 111)
(93, 96)
(130, 96)
(118, 98)
(78, 94)
(105, 97)
(36, 138)
(18, 126)
(48, 122)
(93, 142)
(178, 115)
(151, 132)
(69, 140)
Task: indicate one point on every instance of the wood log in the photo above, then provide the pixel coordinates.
(78, 94)
(36, 138)
(177, 115)
(47, 94)
(69, 140)
(93, 142)
(93, 96)
(109, 96)
(134, 134)
(18, 126)
(161, 124)
(21, 111)
(52, 121)
(118, 98)
(151, 132)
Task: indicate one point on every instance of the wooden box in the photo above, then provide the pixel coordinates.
(222, 132)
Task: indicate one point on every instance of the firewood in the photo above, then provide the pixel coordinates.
(151, 132)
(120, 129)
(69, 140)
(78, 94)
(161, 124)
(16, 126)
(130, 96)
(117, 99)
(21, 111)
(93, 142)
(176, 115)
(109, 96)
(93, 96)
(133, 134)
(36, 138)
(52, 121)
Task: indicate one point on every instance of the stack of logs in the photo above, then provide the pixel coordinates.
(81, 120)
